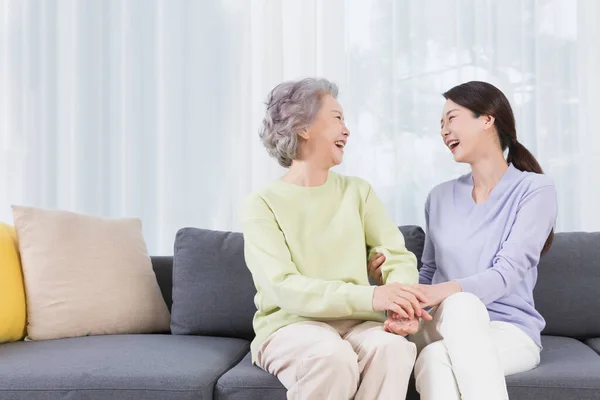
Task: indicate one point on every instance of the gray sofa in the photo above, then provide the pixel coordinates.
(210, 294)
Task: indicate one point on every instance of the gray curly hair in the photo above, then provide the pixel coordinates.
(291, 107)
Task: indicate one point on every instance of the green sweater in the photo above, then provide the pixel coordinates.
(307, 250)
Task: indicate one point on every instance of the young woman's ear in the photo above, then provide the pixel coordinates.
(488, 121)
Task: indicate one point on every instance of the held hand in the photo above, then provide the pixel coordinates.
(438, 292)
(403, 327)
(374, 267)
(424, 315)
(403, 300)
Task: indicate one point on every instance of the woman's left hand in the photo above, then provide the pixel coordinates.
(439, 292)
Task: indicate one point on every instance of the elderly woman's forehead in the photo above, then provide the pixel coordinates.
(331, 103)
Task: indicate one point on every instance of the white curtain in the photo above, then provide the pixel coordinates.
(151, 108)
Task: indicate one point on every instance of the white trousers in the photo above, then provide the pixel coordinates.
(339, 360)
(462, 355)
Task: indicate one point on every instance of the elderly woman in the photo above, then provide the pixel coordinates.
(319, 323)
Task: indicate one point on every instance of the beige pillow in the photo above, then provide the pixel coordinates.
(86, 275)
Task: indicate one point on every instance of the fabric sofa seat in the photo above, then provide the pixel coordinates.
(147, 367)
(248, 382)
(569, 370)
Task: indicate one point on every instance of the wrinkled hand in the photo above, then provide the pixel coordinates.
(403, 300)
(437, 293)
(402, 327)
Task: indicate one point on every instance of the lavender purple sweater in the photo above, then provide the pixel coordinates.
(492, 249)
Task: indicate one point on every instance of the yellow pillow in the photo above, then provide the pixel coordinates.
(13, 313)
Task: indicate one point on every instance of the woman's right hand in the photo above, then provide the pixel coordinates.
(404, 300)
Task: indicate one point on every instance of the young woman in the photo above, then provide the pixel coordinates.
(319, 324)
(486, 232)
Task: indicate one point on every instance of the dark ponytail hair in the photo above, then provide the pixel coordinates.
(483, 98)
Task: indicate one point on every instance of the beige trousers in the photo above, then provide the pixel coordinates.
(462, 355)
(339, 360)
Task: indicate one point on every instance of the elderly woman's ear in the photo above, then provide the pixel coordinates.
(303, 133)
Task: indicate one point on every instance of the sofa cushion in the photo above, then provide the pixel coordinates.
(86, 275)
(213, 291)
(568, 278)
(568, 370)
(248, 382)
(13, 310)
(117, 367)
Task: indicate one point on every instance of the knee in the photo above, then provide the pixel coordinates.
(463, 310)
(464, 301)
(395, 350)
(434, 353)
(337, 358)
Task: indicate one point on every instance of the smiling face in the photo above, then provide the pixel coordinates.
(325, 139)
(465, 134)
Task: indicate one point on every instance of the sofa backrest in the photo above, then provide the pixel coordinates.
(568, 290)
(213, 289)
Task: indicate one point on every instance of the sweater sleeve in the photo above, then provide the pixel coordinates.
(535, 218)
(428, 266)
(269, 260)
(383, 236)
